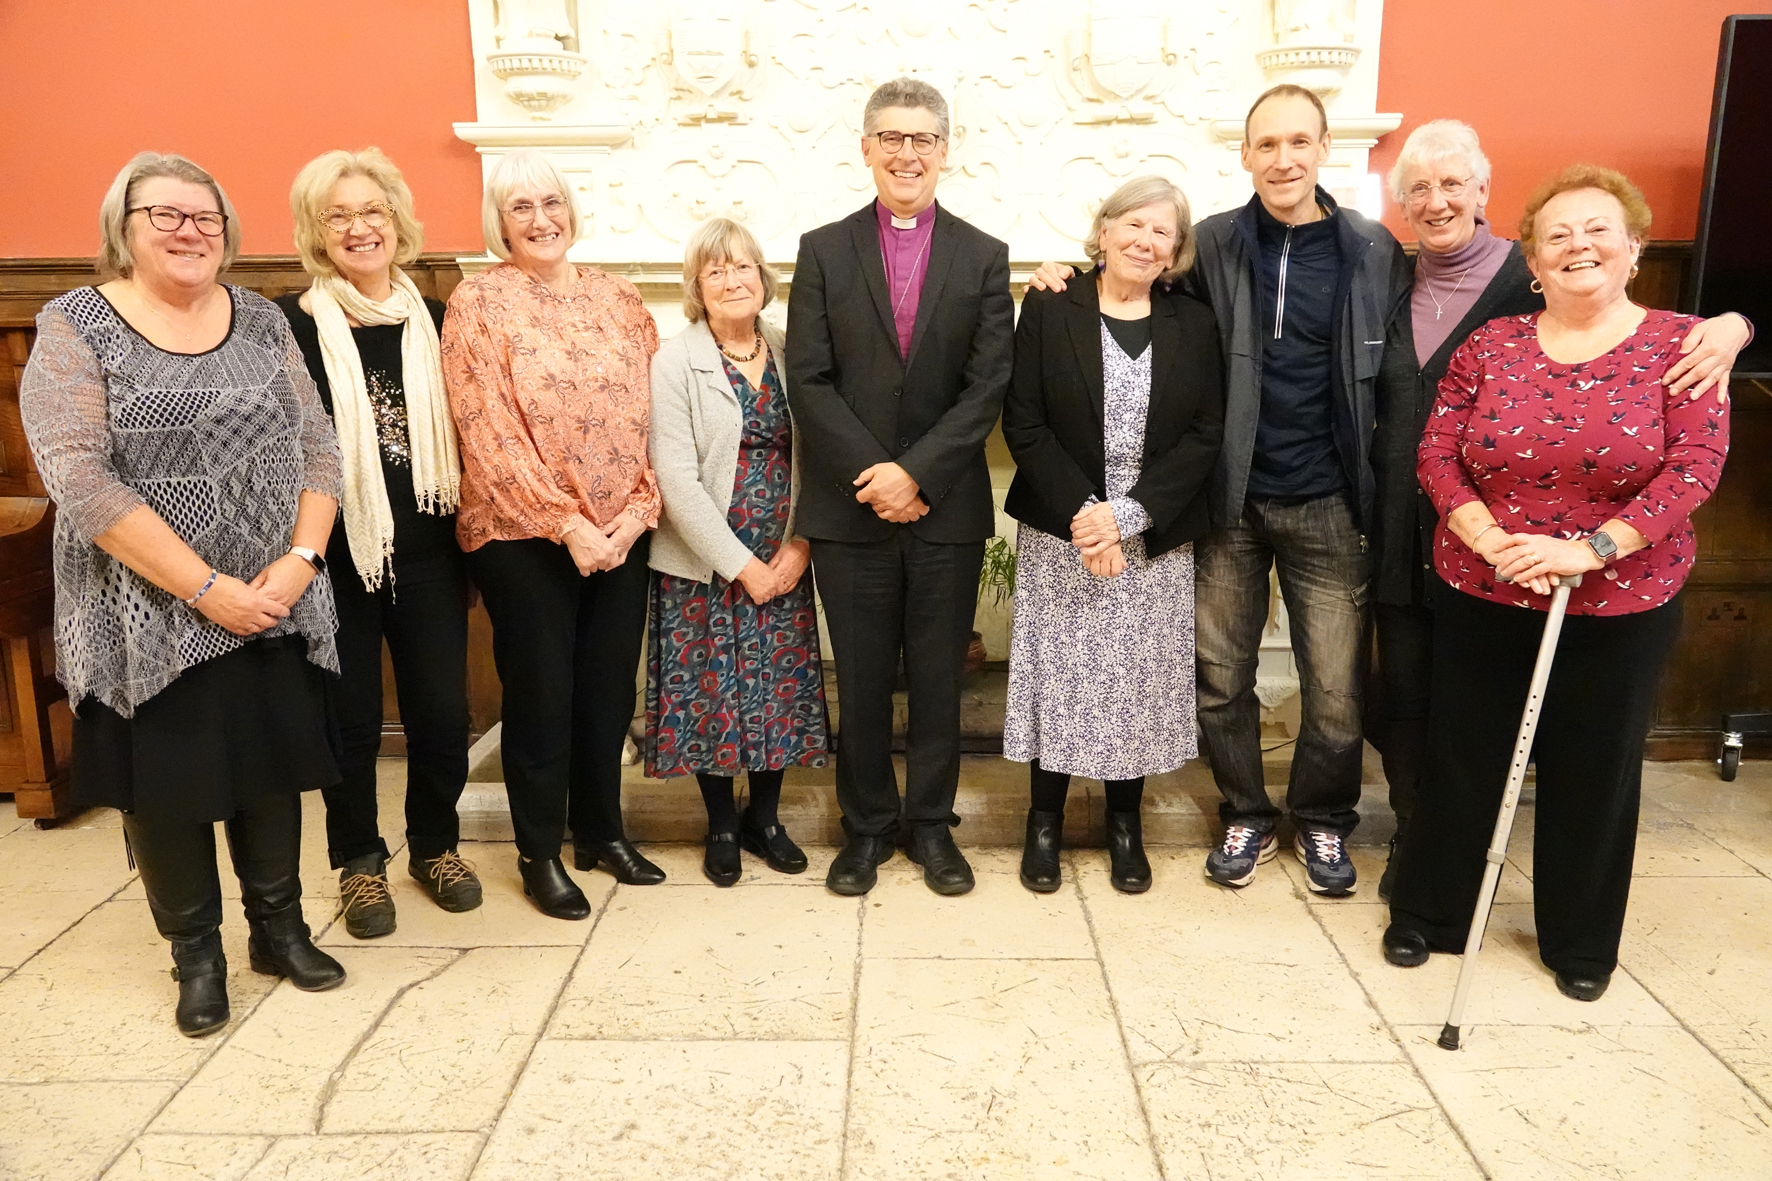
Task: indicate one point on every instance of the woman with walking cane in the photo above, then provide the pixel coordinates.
(1554, 451)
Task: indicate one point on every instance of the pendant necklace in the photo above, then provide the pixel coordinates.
(1439, 304)
(141, 297)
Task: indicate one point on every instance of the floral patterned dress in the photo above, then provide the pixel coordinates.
(1101, 670)
(732, 685)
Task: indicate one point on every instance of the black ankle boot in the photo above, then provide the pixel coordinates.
(1128, 868)
(1040, 870)
(545, 883)
(623, 860)
(202, 974)
(280, 945)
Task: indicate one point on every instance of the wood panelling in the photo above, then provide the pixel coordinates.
(1722, 663)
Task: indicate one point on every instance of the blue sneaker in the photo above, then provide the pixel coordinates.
(1327, 867)
(1233, 862)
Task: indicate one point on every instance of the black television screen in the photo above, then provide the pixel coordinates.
(1732, 257)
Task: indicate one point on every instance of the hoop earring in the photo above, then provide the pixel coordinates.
(1537, 287)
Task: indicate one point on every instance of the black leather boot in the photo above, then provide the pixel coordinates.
(1128, 868)
(545, 883)
(266, 845)
(623, 860)
(1040, 870)
(1387, 881)
(202, 974)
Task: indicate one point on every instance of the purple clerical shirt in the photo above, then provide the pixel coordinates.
(906, 255)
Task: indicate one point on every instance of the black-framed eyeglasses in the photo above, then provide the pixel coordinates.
(169, 220)
(375, 215)
(923, 142)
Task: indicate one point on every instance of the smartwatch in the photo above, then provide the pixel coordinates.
(1603, 546)
(311, 557)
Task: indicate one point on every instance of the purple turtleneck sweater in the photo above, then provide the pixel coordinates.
(1447, 286)
(906, 255)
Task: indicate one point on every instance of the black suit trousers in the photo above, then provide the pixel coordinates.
(905, 600)
(567, 647)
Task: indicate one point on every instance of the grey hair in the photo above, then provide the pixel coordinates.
(519, 170)
(905, 92)
(720, 239)
(115, 258)
(1439, 140)
(1136, 194)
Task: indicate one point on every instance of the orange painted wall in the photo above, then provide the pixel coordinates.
(268, 85)
(1547, 83)
(85, 84)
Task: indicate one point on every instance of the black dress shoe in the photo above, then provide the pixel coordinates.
(202, 974)
(1584, 985)
(545, 883)
(852, 872)
(279, 945)
(1128, 868)
(1405, 946)
(1040, 870)
(623, 860)
(944, 867)
(720, 863)
(772, 843)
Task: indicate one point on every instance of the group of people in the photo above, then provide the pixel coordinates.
(253, 498)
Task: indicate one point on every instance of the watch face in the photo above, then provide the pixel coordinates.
(1603, 545)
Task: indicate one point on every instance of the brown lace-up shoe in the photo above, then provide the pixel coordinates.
(448, 879)
(363, 897)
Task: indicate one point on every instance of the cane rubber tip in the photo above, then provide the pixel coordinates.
(1449, 1037)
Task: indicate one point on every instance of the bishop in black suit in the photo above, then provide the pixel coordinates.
(899, 346)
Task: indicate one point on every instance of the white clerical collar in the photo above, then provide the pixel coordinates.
(903, 223)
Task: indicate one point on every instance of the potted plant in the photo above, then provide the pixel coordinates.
(997, 579)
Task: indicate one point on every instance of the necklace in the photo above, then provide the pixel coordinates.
(142, 297)
(910, 275)
(734, 357)
(1440, 304)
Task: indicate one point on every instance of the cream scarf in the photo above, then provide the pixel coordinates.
(436, 461)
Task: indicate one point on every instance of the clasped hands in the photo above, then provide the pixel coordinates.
(1096, 534)
(247, 608)
(597, 547)
(763, 581)
(891, 492)
(1536, 560)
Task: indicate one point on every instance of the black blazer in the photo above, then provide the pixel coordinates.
(1052, 419)
(858, 402)
(1404, 534)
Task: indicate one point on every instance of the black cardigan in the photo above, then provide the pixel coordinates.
(1406, 517)
(1052, 417)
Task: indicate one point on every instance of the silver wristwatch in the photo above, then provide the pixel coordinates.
(1603, 546)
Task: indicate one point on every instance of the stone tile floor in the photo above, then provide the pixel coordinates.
(777, 1031)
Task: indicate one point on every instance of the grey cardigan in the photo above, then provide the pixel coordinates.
(696, 426)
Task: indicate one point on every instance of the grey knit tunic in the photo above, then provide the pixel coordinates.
(219, 444)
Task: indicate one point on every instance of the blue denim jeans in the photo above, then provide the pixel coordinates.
(1324, 570)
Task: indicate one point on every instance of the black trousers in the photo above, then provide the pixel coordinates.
(1589, 750)
(899, 601)
(1400, 685)
(567, 647)
(177, 863)
(423, 614)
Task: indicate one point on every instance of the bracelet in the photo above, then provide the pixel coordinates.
(1483, 530)
(192, 601)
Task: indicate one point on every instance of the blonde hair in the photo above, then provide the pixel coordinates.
(1437, 141)
(1637, 216)
(721, 239)
(116, 260)
(1136, 194)
(311, 195)
(529, 169)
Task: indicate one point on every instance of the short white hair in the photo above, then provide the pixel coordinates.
(526, 169)
(1441, 141)
(115, 257)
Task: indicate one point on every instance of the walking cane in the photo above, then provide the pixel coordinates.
(1510, 802)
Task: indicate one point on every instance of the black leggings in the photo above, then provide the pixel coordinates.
(1589, 750)
(1047, 790)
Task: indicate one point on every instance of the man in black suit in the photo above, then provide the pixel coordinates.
(899, 344)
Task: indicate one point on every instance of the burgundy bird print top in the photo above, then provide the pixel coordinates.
(1561, 449)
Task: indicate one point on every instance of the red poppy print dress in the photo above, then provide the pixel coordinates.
(1560, 449)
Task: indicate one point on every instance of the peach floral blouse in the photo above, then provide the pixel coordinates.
(551, 396)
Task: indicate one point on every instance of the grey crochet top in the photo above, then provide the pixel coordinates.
(220, 444)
